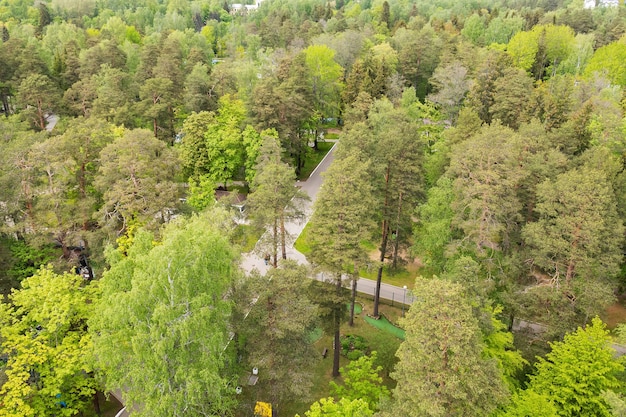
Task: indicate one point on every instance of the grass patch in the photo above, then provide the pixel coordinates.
(331, 136)
(316, 334)
(314, 158)
(246, 237)
(302, 242)
(385, 325)
(398, 277)
(377, 340)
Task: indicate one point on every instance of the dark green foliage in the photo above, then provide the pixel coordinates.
(353, 346)
(27, 259)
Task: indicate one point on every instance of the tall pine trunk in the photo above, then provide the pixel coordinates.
(353, 295)
(383, 242)
(337, 329)
(379, 275)
(275, 243)
(283, 235)
(396, 242)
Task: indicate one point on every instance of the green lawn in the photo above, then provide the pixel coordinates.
(399, 277)
(386, 326)
(302, 242)
(381, 341)
(314, 158)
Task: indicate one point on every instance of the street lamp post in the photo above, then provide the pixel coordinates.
(403, 299)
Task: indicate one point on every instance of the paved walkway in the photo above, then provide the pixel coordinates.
(312, 186)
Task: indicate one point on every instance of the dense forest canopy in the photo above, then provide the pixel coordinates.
(486, 139)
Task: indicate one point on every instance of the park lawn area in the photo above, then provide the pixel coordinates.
(302, 243)
(314, 158)
(399, 278)
(378, 340)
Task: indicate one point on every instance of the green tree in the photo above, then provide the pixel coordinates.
(43, 332)
(510, 99)
(328, 407)
(157, 104)
(575, 373)
(38, 96)
(340, 222)
(442, 371)
(576, 241)
(486, 205)
(324, 75)
(277, 332)
(606, 61)
(433, 230)
(161, 328)
(529, 403)
(451, 84)
(274, 199)
(397, 155)
(137, 180)
(361, 380)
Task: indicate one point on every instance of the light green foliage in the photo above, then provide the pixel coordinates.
(44, 334)
(361, 380)
(201, 194)
(474, 29)
(324, 76)
(499, 345)
(609, 62)
(277, 332)
(136, 178)
(442, 371)
(523, 48)
(327, 407)
(616, 403)
(543, 47)
(576, 372)
(433, 229)
(161, 328)
(224, 143)
(501, 29)
(528, 403)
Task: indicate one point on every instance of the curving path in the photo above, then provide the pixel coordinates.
(311, 186)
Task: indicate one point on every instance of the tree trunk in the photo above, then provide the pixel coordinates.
(379, 275)
(42, 120)
(337, 339)
(275, 243)
(5, 105)
(396, 242)
(383, 243)
(96, 403)
(353, 295)
(155, 126)
(283, 236)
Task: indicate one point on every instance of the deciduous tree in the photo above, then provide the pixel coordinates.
(161, 327)
(44, 334)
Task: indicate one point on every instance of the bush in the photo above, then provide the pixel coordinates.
(353, 346)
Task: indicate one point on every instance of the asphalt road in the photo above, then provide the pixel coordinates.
(311, 186)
